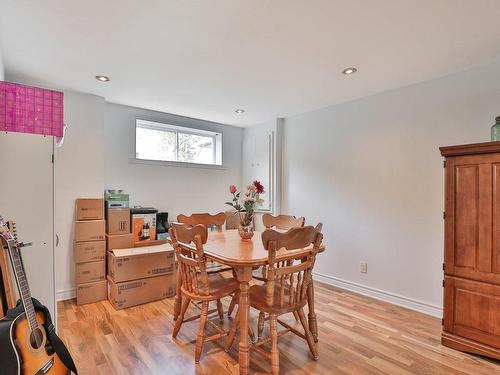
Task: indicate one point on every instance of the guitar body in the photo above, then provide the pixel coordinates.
(28, 341)
(20, 353)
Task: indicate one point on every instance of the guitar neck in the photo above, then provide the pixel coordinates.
(22, 283)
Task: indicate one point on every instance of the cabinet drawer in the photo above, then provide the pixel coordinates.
(472, 310)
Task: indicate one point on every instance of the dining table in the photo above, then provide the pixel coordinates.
(227, 248)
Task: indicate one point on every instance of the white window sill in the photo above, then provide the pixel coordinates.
(162, 163)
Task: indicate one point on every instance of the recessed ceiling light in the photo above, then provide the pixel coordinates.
(240, 110)
(349, 71)
(102, 78)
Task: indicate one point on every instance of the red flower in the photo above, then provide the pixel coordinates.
(232, 189)
(258, 186)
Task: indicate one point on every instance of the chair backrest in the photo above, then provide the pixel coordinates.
(291, 277)
(188, 243)
(283, 222)
(204, 219)
(232, 220)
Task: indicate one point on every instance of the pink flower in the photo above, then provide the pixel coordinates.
(258, 186)
(232, 189)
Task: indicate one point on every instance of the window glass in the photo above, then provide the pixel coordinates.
(163, 142)
(196, 148)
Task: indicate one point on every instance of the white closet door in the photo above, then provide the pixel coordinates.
(258, 164)
(26, 196)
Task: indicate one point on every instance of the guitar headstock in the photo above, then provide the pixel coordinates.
(13, 229)
(5, 232)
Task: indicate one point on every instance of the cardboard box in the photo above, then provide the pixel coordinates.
(89, 209)
(136, 292)
(89, 251)
(91, 292)
(138, 263)
(118, 220)
(150, 243)
(90, 272)
(92, 230)
(143, 223)
(119, 241)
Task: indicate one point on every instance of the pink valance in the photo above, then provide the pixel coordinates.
(27, 109)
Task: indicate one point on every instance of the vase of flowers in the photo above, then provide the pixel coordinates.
(245, 206)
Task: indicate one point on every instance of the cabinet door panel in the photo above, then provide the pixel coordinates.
(495, 256)
(472, 238)
(466, 215)
(474, 310)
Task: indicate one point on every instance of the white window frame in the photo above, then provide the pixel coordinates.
(216, 136)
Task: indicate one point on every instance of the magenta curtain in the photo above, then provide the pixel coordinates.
(26, 109)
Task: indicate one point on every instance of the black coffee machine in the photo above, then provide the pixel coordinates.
(162, 225)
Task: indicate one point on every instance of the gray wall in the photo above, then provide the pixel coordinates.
(371, 171)
(167, 187)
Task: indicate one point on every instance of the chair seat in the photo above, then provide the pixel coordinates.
(219, 287)
(258, 300)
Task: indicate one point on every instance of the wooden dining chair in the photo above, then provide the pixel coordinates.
(282, 222)
(313, 324)
(285, 290)
(206, 220)
(197, 286)
(233, 219)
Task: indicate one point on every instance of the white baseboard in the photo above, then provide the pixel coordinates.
(395, 299)
(62, 295)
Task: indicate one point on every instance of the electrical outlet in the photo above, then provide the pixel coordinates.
(363, 267)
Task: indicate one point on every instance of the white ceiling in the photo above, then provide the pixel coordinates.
(274, 58)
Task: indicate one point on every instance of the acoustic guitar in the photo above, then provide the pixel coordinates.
(28, 341)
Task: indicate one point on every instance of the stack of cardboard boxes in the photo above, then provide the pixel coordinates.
(118, 231)
(140, 275)
(137, 273)
(90, 251)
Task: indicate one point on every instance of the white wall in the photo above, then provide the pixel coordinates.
(174, 189)
(79, 171)
(371, 171)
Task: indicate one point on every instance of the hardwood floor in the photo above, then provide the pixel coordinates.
(357, 335)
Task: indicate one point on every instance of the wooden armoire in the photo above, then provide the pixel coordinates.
(472, 248)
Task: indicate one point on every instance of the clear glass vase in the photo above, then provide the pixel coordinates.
(495, 130)
(246, 232)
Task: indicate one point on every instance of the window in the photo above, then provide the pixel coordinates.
(162, 142)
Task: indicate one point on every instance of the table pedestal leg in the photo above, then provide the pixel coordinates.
(313, 323)
(244, 276)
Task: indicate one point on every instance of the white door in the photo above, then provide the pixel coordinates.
(26, 197)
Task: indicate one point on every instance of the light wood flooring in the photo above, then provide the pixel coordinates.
(357, 335)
